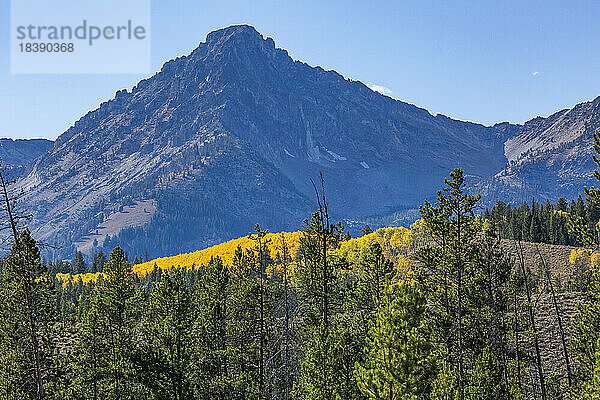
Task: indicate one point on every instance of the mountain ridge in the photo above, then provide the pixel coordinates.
(230, 135)
(548, 157)
(17, 154)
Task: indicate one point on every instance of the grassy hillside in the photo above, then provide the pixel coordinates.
(562, 270)
(556, 256)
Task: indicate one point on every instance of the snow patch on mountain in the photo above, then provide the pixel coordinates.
(288, 153)
(336, 156)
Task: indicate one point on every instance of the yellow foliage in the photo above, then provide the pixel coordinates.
(585, 258)
(419, 234)
(84, 278)
(595, 260)
(580, 256)
(225, 251)
(396, 244)
(405, 273)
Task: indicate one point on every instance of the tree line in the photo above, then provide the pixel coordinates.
(542, 222)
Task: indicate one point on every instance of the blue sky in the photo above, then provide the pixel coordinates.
(483, 61)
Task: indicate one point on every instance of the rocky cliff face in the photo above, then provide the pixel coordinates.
(229, 136)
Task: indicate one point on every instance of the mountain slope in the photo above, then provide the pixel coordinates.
(230, 135)
(548, 157)
(16, 154)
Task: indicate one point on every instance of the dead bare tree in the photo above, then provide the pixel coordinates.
(261, 242)
(517, 343)
(325, 236)
(285, 257)
(536, 344)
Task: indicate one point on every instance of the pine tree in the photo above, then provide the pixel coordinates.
(27, 322)
(452, 223)
(108, 338)
(91, 352)
(486, 380)
(210, 331)
(399, 361)
(466, 275)
(316, 272)
(373, 273)
(319, 378)
(561, 204)
(79, 265)
(590, 388)
(445, 387)
(167, 333)
(244, 323)
(579, 207)
(535, 229)
(553, 230)
(586, 328)
(117, 299)
(585, 339)
(226, 343)
(99, 261)
(526, 225)
(324, 372)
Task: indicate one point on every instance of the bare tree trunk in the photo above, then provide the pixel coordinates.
(287, 317)
(326, 232)
(325, 286)
(262, 321)
(558, 317)
(536, 344)
(499, 337)
(517, 344)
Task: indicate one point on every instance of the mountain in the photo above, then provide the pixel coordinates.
(231, 135)
(16, 154)
(547, 157)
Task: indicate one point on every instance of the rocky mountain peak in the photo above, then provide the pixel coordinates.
(236, 34)
(236, 43)
(232, 134)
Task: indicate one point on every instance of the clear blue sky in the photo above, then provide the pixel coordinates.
(483, 61)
